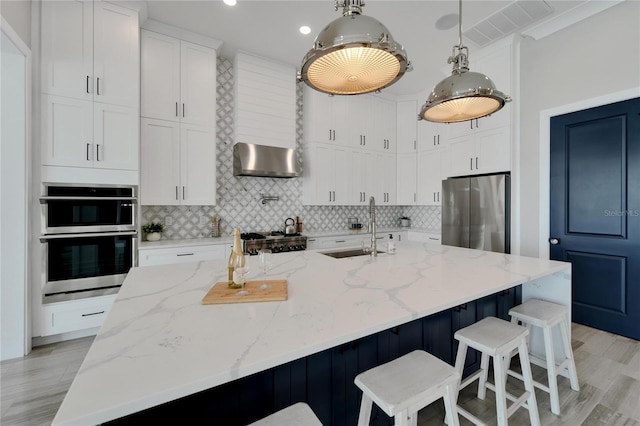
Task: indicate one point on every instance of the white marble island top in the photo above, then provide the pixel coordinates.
(159, 343)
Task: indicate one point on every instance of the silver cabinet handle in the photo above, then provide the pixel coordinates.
(476, 163)
(98, 152)
(88, 146)
(329, 195)
(183, 110)
(93, 313)
(470, 163)
(184, 254)
(176, 109)
(183, 193)
(434, 140)
(329, 134)
(334, 195)
(414, 197)
(341, 241)
(438, 139)
(98, 86)
(88, 84)
(414, 145)
(176, 192)
(364, 139)
(334, 135)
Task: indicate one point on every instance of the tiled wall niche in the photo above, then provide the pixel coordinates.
(238, 197)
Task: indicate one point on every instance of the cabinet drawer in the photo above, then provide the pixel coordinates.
(77, 315)
(424, 237)
(166, 256)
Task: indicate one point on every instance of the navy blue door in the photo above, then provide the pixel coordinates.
(595, 212)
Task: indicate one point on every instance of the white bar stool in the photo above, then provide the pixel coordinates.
(407, 384)
(546, 315)
(299, 414)
(497, 338)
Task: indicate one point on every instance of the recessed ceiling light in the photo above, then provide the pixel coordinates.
(230, 2)
(305, 30)
(447, 21)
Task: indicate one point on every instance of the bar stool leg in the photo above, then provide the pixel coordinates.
(573, 375)
(482, 382)
(365, 411)
(551, 370)
(460, 359)
(532, 404)
(501, 392)
(450, 400)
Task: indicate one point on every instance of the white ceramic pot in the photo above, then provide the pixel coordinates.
(153, 236)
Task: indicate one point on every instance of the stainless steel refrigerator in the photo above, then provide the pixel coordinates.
(476, 212)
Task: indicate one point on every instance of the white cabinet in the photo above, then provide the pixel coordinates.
(406, 179)
(430, 135)
(90, 88)
(483, 152)
(326, 179)
(385, 179)
(325, 118)
(75, 315)
(178, 80)
(424, 237)
(383, 137)
(432, 168)
(80, 133)
(90, 51)
(165, 256)
(363, 164)
(178, 163)
(406, 126)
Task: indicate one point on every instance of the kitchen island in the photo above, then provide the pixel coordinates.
(160, 344)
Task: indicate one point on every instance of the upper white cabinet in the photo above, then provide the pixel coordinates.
(90, 91)
(90, 51)
(325, 118)
(406, 126)
(485, 152)
(327, 178)
(178, 163)
(178, 80)
(384, 125)
(431, 135)
(265, 101)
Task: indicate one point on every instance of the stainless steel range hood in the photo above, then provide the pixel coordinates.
(264, 161)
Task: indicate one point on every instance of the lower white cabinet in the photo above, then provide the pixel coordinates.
(424, 237)
(75, 315)
(178, 163)
(164, 256)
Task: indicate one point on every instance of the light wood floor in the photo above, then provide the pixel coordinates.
(33, 387)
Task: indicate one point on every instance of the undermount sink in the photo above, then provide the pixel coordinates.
(339, 254)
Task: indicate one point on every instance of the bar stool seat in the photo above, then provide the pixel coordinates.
(546, 315)
(299, 414)
(407, 384)
(497, 338)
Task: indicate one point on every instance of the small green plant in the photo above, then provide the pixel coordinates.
(153, 227)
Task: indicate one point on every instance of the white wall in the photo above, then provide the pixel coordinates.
(18, 14)
(14, 231)
(591, 59)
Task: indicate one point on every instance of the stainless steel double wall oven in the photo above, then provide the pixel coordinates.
(89, 239)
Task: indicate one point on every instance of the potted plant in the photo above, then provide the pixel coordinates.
(153, 230)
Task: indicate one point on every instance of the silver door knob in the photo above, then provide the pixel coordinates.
(554, 241)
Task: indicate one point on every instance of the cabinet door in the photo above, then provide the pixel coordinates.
(362, 173)
(463, 152)
(385, 179)
(361, 111)
(159, 91)
(341, 170)
(429, 178)
(115, 134)
(430, 135)
(197, 165)
(67, 130)
(406, 179)
(197, 84)
(318, 178)
(67, 48)
(341, 122)
(406, 122)
(493, 151)
(116, 55)
(159, 162)
(317, 116)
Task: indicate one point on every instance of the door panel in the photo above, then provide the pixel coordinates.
(595, 212)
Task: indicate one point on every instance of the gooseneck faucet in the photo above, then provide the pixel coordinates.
(372, 220)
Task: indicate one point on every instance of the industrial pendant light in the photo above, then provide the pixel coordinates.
(464, 95)
(354, 54)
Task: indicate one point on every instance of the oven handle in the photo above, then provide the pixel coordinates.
(46, 198)
(45, 238)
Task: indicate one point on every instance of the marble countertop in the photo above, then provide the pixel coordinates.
(160, 343)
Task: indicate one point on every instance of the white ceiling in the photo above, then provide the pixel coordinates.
(270, 28)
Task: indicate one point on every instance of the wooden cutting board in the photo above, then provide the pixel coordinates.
(253, 291)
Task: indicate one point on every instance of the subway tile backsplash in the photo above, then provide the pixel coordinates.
(238, 199)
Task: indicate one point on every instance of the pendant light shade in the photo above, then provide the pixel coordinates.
(354, 54)
(464, 95)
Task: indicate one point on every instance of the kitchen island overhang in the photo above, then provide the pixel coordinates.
(159, 343)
